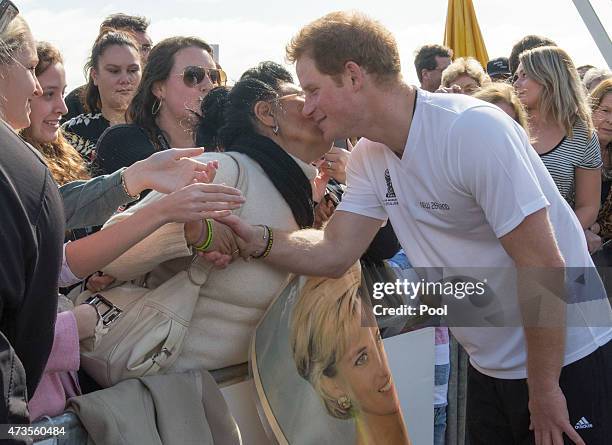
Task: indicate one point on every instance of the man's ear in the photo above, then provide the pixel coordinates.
(264, 113)
(355, 74)
(425, 74)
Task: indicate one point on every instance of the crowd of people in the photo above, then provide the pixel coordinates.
(313, 177)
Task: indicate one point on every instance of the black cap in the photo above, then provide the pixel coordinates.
(498, 67)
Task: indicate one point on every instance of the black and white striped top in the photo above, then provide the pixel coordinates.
(581, 151)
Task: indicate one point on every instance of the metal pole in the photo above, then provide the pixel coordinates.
(598, 32)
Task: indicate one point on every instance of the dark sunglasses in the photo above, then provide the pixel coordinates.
(194, 75)
(8, 11)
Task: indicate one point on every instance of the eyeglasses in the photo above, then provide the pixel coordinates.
(296, 94)
(194, 75)
(8, 11)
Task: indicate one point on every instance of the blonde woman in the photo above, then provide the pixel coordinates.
(465, 75)
(562, 131)
(504, 96)
(337, 348)
(601, 104)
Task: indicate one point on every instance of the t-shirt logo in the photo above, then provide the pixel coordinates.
(391, 199)
(390, 191)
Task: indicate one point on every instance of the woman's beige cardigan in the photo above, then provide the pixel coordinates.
(233, 299)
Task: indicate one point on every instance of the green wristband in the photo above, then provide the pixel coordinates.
(209, 238)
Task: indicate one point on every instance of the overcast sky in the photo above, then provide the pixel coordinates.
(251, 31)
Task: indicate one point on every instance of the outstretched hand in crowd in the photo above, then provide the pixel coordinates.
(169, 170)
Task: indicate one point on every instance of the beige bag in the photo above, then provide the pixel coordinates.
(148, 337)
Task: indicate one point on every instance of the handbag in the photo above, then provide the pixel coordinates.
(148, 335)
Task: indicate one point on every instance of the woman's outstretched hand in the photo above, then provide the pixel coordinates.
(199, 201)
(169, 170)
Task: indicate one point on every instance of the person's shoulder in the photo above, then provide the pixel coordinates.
(483, 118)
(367, 149)
(120, 135)
(580, 134)
(450, 105)
(131, 131)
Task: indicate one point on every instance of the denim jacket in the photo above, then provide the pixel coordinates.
(93, 202)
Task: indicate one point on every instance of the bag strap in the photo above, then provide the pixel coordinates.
(204, 268)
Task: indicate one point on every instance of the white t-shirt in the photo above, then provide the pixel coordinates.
(467, 177)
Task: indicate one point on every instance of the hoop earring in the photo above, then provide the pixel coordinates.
(156, 106)
(344, 402)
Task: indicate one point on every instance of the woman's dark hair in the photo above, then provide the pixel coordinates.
(107, 38)
(214, 104)
(270, 73)
(158, 68)
(227, 114)
(228, 123)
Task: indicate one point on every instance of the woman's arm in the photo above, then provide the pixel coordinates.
(90, 203)
(588, 190)
(194, 202)
(169, 241)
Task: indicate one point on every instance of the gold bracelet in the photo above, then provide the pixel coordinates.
(125, 189)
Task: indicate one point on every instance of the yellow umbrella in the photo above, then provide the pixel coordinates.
(462, 33)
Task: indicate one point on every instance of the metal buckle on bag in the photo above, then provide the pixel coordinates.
(109, 313)
(157, 354)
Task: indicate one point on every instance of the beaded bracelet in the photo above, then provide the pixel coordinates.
(209, 238)
(125, 189)
(270, 241)
(267, 235)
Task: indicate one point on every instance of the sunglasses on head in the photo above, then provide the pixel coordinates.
(8, 11)
(194, 75)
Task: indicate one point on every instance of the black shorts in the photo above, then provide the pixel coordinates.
(497, 411)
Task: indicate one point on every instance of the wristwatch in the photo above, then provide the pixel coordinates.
(107, 311)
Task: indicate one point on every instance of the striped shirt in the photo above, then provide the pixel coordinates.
(580, 151)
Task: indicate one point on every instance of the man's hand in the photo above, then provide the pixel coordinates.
(169, 170)
(249, 241)
(549, 416)
(224, 240)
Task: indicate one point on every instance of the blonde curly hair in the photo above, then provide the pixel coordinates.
(465, 65)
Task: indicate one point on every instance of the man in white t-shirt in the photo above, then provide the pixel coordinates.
(463, 189)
